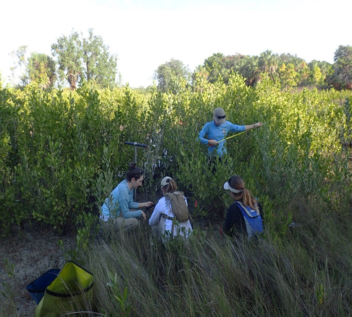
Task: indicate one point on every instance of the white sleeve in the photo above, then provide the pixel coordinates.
(154, 218)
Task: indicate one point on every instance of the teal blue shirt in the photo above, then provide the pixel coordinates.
(218, 133)
(121, 199)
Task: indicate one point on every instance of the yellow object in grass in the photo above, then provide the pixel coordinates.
(71, 290)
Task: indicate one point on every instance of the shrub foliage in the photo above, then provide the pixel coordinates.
(61, 152)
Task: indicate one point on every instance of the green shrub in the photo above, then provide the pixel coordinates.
(62, 152)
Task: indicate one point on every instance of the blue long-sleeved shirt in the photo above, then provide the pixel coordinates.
(218, 133)
(121, 199)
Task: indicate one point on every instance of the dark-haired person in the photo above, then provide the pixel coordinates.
(118, 206)
(161, 219)
(245, 215)
(218, 129)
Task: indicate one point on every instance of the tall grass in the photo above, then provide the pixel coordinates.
(306, 273)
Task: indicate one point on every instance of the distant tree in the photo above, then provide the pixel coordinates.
(200, 78)
(40, 68)
(99, 66)
(343, 52)
(268, 63)
(84, 59)
(316, 75)
(20, 53)
(68, 51)
(342, 76)
(304, 73)
(290, 59)
(1, 81)
(326, 69)
(170, 74)
(215, 66)
(288, 75)
(220, 65)
(249, 69)
(19, 65)
(200, 73)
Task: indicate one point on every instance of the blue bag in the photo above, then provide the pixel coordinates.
(37, 287)
(252, 219)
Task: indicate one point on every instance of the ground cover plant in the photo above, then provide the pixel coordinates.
(307, 274)
(62, 152)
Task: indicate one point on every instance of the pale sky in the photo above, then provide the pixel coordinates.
(145, 34)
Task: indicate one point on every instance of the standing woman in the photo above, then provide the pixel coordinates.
(117, 207)
(245, 215)
(162, 221)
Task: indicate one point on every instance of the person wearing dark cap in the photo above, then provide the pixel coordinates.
(162, 218)
(245, 215)
(117, 208)
(217, 130)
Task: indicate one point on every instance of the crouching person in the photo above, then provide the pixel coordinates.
(117, 208)
(170, 217)
(245, 215)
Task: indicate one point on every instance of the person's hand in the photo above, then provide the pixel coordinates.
(144, 215)
(148, 203)
(258, 124)
(212, 142)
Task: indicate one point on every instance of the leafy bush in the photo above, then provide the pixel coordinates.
(61, 152)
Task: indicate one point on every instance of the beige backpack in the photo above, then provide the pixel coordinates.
(178, 205)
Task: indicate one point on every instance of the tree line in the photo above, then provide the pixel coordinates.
(76, 59)
(288, 69)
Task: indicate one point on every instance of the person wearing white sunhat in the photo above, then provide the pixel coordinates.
(162, 219)
(245, 215)
(217, 130)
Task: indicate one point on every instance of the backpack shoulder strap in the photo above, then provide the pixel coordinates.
(169, 195)
(244, 208)
(177, 193)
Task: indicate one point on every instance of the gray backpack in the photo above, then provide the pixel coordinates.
(178, 205)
